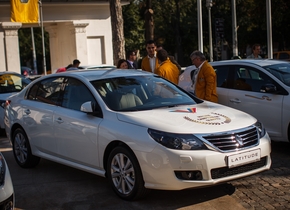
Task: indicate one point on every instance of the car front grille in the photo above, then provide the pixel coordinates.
(240, 139)
(225, 171)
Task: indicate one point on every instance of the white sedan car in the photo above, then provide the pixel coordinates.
(6, 186)
(259, 87)
(136, 128)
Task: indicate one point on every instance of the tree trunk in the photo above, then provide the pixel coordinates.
(178, 49)
(149, 23)
(117, 30)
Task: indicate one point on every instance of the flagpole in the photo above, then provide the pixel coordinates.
(42, 35)
(33, 51)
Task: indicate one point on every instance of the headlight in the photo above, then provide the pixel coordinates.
(177, 141)
(260, 128)
(2, 170)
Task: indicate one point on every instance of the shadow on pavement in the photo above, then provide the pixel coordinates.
(54, 186)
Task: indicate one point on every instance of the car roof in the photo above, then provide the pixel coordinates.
(259, 62)
(97, 66)
(10, 72)
(101, 74)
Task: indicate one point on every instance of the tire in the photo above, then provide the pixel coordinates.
(22, 151)
(125, 175)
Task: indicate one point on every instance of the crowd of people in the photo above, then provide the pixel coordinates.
(198, 79)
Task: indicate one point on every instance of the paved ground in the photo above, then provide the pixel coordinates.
(270, 189)
(56, 187)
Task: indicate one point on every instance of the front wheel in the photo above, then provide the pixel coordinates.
(125, 175)
(22, 150)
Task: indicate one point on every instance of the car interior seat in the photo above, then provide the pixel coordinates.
(118, 101)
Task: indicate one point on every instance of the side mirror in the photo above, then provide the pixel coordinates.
(91, 108)
(268, 88)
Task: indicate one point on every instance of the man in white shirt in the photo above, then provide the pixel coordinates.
(150, 62)
(256, 51)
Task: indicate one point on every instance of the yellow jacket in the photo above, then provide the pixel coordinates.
(145, 64)
(169, 71)
(206, 84)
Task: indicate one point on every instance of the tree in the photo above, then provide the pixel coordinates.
(133, 26)
(25, 47)
(149, 22)
(117, 30)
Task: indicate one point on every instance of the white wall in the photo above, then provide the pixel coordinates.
(59, 19)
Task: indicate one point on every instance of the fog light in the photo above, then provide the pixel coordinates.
(188, 175)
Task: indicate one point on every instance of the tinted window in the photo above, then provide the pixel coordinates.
(47, 91)
(222, 75)
(248, 78)
(75, 94)
(280, 71)
(12, 83)
(284, 56)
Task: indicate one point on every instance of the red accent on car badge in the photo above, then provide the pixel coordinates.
(189, 110)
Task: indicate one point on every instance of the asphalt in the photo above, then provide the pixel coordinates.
(55, 187)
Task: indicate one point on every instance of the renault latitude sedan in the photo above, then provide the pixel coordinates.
(135, 128)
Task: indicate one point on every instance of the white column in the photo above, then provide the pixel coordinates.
(81, 41)
(12, 46)
(269, 29)
(234, 29)
(2, 51)
(199, 25)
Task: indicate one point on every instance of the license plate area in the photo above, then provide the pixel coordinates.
(243, 158)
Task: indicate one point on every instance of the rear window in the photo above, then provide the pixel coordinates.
(12, 83)
(280, 71)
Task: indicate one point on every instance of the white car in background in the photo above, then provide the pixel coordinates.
(6, 187)
(135, 128)
(259, 87)
(10, 83)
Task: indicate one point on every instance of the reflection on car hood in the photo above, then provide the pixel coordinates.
(200, 118)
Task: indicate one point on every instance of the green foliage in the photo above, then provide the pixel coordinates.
(26, 49)
(176, 24)
(133, 27)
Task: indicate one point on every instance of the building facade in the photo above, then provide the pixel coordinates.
(78, 29)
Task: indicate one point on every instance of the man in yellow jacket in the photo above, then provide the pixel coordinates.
(150, 62)
(167, 69)
(204, 78)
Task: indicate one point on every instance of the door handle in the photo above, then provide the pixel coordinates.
(59, 120)
(235, 100)
(27, 111)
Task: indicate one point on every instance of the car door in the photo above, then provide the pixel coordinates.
(38, 108)
(76, 132)
(223, 82)
(245, 95)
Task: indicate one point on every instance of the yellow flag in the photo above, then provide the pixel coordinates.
(24, 12)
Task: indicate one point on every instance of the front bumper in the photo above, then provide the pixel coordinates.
(163, 168)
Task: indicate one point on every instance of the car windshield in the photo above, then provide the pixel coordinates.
(281, 71)
(135, 93)
(12, 83)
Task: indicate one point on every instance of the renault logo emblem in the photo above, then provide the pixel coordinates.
(239, 140)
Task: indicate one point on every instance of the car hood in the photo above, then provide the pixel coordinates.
(203, 118)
